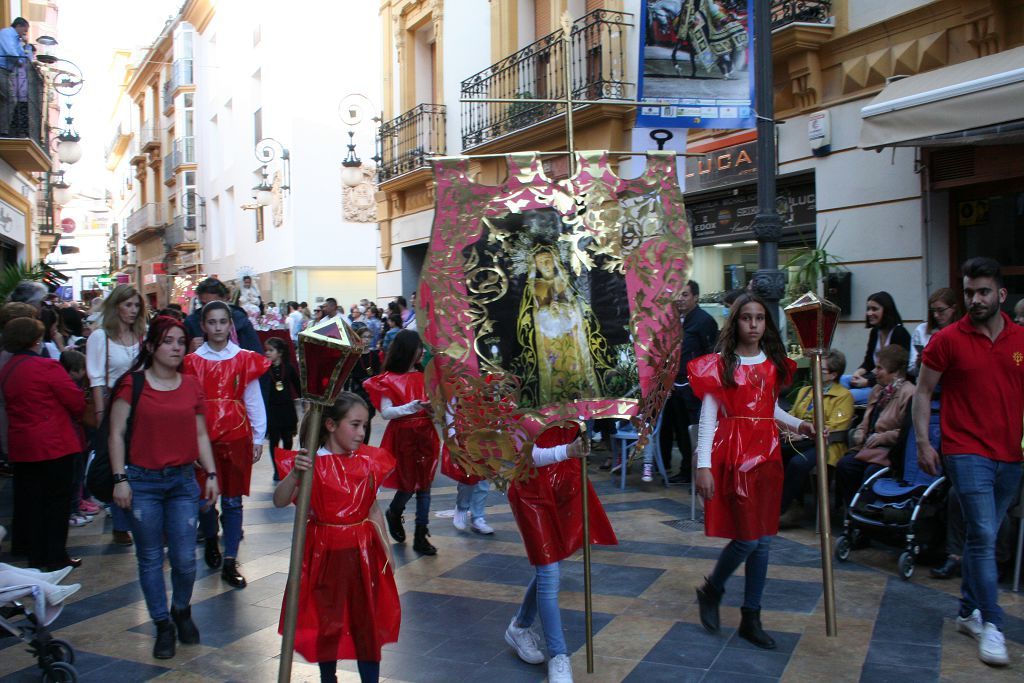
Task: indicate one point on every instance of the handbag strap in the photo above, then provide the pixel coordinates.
(138, 384)
(106, 361)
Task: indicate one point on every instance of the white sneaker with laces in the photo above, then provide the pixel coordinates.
(970, 625)
(62, 593)
(524, 642)
(560, 669)
(459, 519)
(648, 473)
(992, 646)
(481, 526)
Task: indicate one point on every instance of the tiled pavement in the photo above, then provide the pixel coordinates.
(457, 604)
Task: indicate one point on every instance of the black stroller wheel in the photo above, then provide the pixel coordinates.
(843, 547)
(906, 565)
(61, 672)
(60, 651)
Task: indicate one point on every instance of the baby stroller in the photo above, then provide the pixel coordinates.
(55, 657)
(899, 505)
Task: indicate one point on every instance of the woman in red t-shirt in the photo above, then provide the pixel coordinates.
(157, 481)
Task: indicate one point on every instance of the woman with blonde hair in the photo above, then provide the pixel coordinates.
(110, 351)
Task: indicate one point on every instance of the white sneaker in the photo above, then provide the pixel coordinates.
(970, 625)
(57, 576)
(481, 526)
(459, 519)
(524, 642)
(560, 669)
(62, 593)
(992, 646)
(648, 473)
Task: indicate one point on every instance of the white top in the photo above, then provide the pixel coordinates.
(389, 411)
(709, 417)
(295, 322)
(253, 398)
(919, 338)
(105, 363)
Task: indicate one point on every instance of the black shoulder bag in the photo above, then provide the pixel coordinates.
(100, 479)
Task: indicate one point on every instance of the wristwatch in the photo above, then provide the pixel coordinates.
(118, 478)
(211, 475)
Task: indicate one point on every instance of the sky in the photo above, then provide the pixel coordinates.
(89, 31)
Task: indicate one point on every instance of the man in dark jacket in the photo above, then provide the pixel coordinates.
(682, 408)
(212, 289)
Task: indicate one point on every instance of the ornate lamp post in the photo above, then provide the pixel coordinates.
(327, 353)
(814, 321)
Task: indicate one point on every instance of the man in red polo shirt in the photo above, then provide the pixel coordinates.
(980, 364)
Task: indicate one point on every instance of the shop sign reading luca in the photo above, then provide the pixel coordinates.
(726, 166)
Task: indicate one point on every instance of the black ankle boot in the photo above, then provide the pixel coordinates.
(750, 629)
(212, 554)
(164, 646)
(188, 634)
(708, 599)
(395, 527)
(230, 573)
(420, 543)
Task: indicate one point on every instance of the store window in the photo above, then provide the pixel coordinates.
(989, 221)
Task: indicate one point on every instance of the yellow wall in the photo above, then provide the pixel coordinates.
(347, 286)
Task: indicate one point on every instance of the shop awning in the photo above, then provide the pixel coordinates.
(980, 94)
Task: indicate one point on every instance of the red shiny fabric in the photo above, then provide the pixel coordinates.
(746, 456)
(453, 470)
(348, 600)
(548, 508)
(412, 439)
(227, 424)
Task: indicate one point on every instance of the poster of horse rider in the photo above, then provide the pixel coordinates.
(695, 54)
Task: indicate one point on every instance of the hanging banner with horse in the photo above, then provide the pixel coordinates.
(696, 54)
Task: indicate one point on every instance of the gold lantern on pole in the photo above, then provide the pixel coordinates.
(328, 351)
(814, 320)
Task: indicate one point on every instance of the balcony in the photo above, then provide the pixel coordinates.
(407, 142)
(181, 75)
(183, 151)
(598, 71)
(149, 137)
(117, 146)
(143, 223)
(23, 128)
(181, 234)
(135, 153)
(169, 177)
(785, 12)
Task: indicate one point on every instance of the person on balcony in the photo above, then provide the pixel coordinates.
(12, 44)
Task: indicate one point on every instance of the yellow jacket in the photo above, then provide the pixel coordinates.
(838, 414)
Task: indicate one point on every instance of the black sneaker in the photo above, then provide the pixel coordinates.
(164, 646)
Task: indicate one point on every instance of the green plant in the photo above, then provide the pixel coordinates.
(14, 273)
(810, 268)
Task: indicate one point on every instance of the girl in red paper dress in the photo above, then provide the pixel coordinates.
(237, 421)
(739, 460)
(399, 395)
(348, 601)
(548, 511)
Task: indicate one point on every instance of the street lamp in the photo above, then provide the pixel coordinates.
(61, 190)
(351, 111)
(266, 151)
(263, 194)
(66, 144)
(351, 166)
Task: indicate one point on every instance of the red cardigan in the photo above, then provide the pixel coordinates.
(42, 403)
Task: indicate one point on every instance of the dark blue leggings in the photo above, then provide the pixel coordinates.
(422, 505)
(369, 672)
(755, 554)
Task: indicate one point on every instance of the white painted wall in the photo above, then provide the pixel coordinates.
(467, 50)
(863, 13)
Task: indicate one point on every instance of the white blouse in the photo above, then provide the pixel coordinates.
(105, 363)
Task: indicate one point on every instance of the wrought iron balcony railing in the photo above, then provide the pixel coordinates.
(22, 90)
(144, 218)
(181, 75)
(149, 136)
(406, 142)
(598, 70)
(800, 11)
(181, 232)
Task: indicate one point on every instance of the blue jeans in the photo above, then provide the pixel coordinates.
(986, 489)
(755, 554)
(473, 497)
(230, 519)
(860, 394)
(422, 505)
(164, 507)
(542, 596)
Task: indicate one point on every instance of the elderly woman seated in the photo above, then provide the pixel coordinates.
(798, 451)
(883, 421)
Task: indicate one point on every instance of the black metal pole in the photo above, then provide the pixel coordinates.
(768, 281)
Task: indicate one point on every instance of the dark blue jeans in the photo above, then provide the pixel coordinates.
(164, 507)
(755, 554)
(422, 505)
(230, 519)
(986, 489)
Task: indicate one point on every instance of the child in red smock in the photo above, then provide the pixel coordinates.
(739, 459)
(549, 513)
(237, 421)
(399, 395)
(348, 601)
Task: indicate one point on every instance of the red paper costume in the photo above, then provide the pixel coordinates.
(548, 507)
(348, 601)
(746, 457)
(224, 383)
(412, 439)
